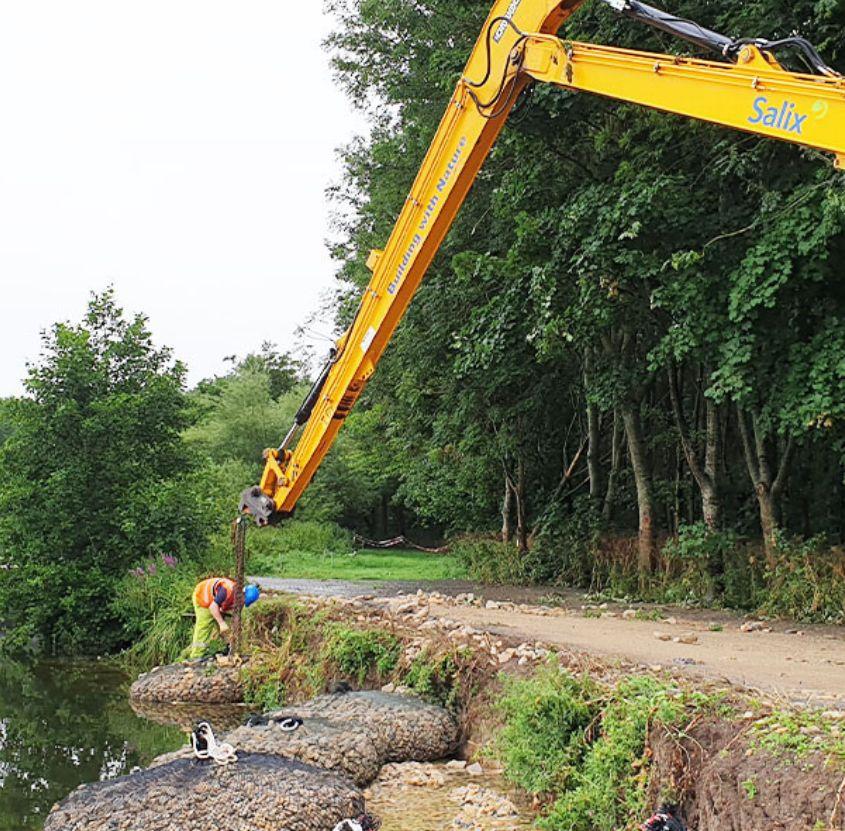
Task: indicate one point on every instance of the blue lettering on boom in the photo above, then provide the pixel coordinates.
(783, 117)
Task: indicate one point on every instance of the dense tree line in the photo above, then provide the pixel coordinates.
(117, 485)
(635, 328)
(627, 363)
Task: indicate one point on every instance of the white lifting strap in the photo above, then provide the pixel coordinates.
(349, 825)
(222, 754)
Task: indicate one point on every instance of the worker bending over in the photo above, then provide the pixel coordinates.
(214, 598)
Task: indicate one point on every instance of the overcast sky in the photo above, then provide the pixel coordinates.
(178, 149)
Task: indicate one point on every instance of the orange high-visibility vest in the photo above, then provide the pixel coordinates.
(205, 591)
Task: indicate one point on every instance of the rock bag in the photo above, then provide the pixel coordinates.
(209, 681)
(256, 793)
(403, 727)
(335, 746)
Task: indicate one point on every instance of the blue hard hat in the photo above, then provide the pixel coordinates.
(251, 594)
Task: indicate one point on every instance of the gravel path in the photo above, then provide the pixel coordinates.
(804, 664)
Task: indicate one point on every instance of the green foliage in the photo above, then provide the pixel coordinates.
(360, 654)
(439, 679)
(545, 720)
(267, 695)
(91, 480)
(703, 565)
(567, 548)
(490, 561)
(239, 418)
(806, 581)
(7, 419)
(585, 745)
(750, 788)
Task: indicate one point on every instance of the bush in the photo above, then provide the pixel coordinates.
(440, 679)
(325, 539)
(707, 566)
(490, 561)
(585, 746)
(806, 581)
(154, 602)
(566, 547)
(545, 718)
(362, 653)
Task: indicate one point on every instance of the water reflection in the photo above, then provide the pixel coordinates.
(62, 724)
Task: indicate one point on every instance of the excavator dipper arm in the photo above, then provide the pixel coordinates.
(518, 45)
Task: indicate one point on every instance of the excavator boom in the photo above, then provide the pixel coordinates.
(746, 90)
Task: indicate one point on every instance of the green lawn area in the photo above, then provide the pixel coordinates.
(392, 564)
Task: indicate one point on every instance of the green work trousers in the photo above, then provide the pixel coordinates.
(205, 634)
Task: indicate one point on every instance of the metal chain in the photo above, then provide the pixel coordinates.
(239, 528)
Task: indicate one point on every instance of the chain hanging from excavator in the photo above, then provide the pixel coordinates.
(746, 89)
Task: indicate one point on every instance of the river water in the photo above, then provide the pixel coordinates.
(62, 724)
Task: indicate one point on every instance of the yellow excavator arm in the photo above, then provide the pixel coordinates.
(747, 90)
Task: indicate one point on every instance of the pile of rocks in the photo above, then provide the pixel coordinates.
(402, 727)
(335, 746)
(211, 681)
(413, 615)
(259, 793)
(478, 803)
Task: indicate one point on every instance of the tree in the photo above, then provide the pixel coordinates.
(86, 479)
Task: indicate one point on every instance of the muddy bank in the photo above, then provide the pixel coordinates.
(724, 781)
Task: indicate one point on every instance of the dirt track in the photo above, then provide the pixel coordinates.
(806, 667)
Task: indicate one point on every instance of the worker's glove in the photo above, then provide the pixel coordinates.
(224, 628)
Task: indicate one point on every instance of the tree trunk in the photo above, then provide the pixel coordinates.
(507, 508)
(706, 475)
(615, 466)
(521, 510)
(768, 488)
(593, 433)
(769, 520)
(647, 544)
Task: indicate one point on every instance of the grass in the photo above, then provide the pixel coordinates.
(394, 564)
(800, 734)
(581, 746)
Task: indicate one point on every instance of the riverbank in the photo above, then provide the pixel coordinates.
(802, 663)
(647, 732)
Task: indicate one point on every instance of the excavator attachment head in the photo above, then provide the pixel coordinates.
(258, 505)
